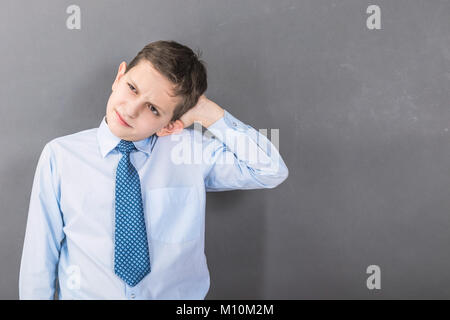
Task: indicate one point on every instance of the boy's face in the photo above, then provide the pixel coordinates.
(141, 98)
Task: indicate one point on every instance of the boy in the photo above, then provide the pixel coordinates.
(114, 213)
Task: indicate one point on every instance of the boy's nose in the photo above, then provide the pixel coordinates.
(133, 110)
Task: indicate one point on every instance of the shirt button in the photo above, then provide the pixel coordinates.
(133, 296)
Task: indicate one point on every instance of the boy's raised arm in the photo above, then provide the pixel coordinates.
(44, 233)
(239, 157)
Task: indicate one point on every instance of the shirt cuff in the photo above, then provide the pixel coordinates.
(228, 121)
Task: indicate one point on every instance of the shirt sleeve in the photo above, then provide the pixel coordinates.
(241, 157)
(44, 233)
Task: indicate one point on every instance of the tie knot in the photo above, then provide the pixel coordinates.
(125, 146)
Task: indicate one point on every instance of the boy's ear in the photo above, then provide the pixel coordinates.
(173, 127)
(120, 73)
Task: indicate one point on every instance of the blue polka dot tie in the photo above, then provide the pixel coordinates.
(131, 255)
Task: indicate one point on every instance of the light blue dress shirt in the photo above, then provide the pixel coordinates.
(69, 239)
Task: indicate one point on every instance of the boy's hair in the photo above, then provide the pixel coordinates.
(181, 66)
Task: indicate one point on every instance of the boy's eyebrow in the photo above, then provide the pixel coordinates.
(137, 89)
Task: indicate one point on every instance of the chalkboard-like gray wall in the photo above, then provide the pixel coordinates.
(364, 128)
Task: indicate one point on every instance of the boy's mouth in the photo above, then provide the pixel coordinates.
(121, 121)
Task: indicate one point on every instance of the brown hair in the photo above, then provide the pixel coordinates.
(181, 66)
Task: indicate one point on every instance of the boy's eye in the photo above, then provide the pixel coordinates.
(152, 108)
(131, 87)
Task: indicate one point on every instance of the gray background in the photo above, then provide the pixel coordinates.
(364, 124)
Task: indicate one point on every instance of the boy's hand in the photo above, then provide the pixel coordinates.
(205, 111)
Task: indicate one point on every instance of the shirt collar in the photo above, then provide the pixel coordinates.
(108, 141)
